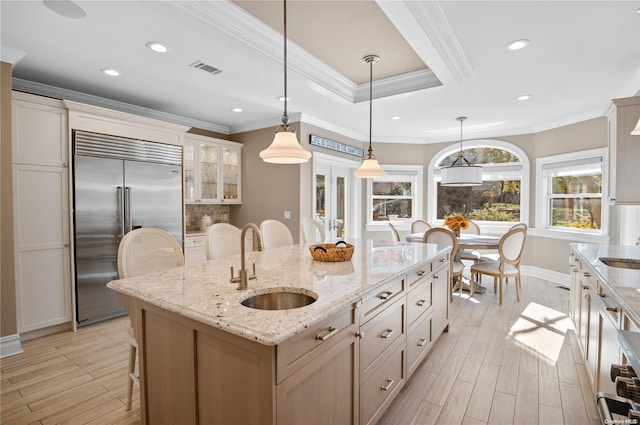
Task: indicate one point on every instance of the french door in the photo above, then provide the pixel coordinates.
(335, 197)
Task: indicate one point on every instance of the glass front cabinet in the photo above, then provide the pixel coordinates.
(211, 170)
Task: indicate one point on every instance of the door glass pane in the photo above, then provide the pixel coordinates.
(208, 171)
(230, 172)
(320, 198)
(341, 204)
(188, 159)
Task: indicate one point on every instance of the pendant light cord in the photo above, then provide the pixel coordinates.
(285, 117)
(370, 105)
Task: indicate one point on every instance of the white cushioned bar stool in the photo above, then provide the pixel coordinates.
(143, 251)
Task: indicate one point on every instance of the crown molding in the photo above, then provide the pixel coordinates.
(235, 22)
(64, 94)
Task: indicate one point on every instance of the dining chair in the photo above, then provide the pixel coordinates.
(395, 235)
(443, 236)
(274, 234)
(312, 231)
(496, 256)
(143, 251)
(508, 265)
(419, 226)
(471, 254)
(222, 240)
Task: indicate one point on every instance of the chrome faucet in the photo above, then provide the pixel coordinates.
(243, 280)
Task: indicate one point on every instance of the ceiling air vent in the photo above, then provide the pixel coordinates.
(207, 68)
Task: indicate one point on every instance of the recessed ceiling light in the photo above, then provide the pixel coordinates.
(237, 109)
(111, 72)
(157, 47)
(395, 118)
(524, 97)
(518, 44)
(281, 98)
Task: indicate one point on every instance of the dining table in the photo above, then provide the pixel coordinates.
(466, 241)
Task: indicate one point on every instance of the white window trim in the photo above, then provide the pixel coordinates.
(488, 227)
(542, 218)
(417, 204)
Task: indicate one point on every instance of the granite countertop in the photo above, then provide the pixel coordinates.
(625, 283)
(203, 292)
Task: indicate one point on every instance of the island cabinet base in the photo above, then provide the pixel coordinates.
(345, 369)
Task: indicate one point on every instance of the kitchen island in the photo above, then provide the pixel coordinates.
(206, 358)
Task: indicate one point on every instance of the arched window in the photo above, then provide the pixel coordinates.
(503, 197)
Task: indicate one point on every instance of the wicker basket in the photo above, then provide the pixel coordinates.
(329, 252)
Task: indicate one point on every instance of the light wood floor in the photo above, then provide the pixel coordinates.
(512, 364)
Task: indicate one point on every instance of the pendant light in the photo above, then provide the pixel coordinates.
(370, 167)
(461, 172)
(285, 148)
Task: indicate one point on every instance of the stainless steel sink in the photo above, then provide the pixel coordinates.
(622, 263)
(280, 300)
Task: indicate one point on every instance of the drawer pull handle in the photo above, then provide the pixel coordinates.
(442, 260)
(389, 384)
(420, 303)
(386, 334)
(332, 332)
(586, 274)
(422, 342)
(385, 295)
(613, 309)
(585, 287)
(421, 273)
(360, 334)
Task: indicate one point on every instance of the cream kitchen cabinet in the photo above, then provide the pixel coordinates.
(624, 151)
(212, 170)
(41, 212)
(597, 317)
(194, 249)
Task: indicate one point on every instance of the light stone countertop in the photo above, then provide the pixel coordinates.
(625, 283)
(203, 292)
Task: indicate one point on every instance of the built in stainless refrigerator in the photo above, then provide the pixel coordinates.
(119, 185)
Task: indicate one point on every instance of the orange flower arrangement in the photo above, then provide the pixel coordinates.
(456, 222)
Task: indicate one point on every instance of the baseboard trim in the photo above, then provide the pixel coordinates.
(563, 279)
(10, 346)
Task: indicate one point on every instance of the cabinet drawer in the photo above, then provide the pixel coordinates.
(194, 241)
(418, 302)
(417, 273)
(379, 390)
(610, 305)
(380, 333)
(418, 342)
(297, 351)
(378, 301)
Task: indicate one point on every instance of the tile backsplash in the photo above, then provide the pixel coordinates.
(193, 214)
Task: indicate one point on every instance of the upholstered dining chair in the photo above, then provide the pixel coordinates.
(395, 235)
(312, 231)
(274, 234)
(143, 251)
(419, 226)
(440, 235)
(222, 240)
(471, 254)
(508, 265)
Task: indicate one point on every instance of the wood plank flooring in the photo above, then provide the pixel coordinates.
(512, 364)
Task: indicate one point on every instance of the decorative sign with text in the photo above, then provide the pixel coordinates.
(335, 146)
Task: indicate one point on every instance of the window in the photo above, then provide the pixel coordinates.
(396, 197)
(499, 202)
(570, 192)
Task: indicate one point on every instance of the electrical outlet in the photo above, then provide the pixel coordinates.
(287, 215)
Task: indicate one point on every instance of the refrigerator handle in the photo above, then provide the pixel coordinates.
(127, 208)
(121, 213)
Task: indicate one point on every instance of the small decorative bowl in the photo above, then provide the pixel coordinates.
(327, 252)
